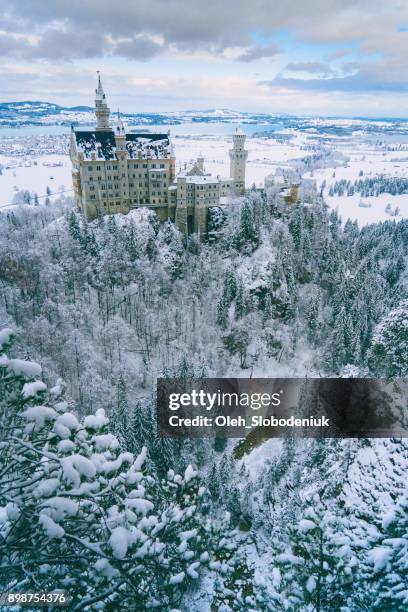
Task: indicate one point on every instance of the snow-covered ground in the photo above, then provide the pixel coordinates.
(366, 154)
(34, 175)
(372, 159)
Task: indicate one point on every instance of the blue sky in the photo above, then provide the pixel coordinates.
(322, 57)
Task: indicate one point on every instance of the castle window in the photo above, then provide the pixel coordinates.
(144, 165)
(108, 167)
(99, 178)
(103, 187)
(90, 179)
(114, 167)
(162, 166)
(92, 188)
(98, 167)
(90, 168)
(92, 197)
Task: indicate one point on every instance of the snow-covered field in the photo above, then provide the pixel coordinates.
(35, 175)
(370, 159)
(367, 157)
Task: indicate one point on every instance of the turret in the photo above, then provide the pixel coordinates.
(120, 134)
(102, 111)
(238, 156)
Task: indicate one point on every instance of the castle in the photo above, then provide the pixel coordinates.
(115, 170)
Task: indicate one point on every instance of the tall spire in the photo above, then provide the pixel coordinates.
(102, 111)
(99, 90)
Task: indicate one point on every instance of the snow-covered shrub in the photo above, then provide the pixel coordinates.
(77, 513)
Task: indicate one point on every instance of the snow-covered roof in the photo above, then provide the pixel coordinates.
(102, 144)
(198, 179)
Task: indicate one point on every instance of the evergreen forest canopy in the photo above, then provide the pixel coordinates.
(92, 501)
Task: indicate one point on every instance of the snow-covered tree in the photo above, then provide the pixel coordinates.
(77, 513)
(388, 355)
(316, 570)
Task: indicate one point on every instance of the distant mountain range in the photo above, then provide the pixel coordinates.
(34, 112)
(38, 113)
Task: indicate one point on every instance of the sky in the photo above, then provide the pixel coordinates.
(313, 57)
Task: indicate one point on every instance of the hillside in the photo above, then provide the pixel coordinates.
(111, 305)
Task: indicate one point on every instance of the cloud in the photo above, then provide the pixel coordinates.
(366, 79)
(258, 52)
(213, 38)
(54, 44)
(213, 25)
(310, 67)
(138, 48)
(59, 46)
(339, 53)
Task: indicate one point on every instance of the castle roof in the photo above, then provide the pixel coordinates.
(102, 144)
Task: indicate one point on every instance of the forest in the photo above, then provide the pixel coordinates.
(95, 503)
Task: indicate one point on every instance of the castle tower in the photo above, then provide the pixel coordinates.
(200, 162)
(238, 156)
(102, 111)
(120, 135)
(121, 155)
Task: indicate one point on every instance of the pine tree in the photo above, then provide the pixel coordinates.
(317, 568)
(140, 429)
(388, 355)
(390, 560)
(312, 318)
(121, 418)
(248, 237)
